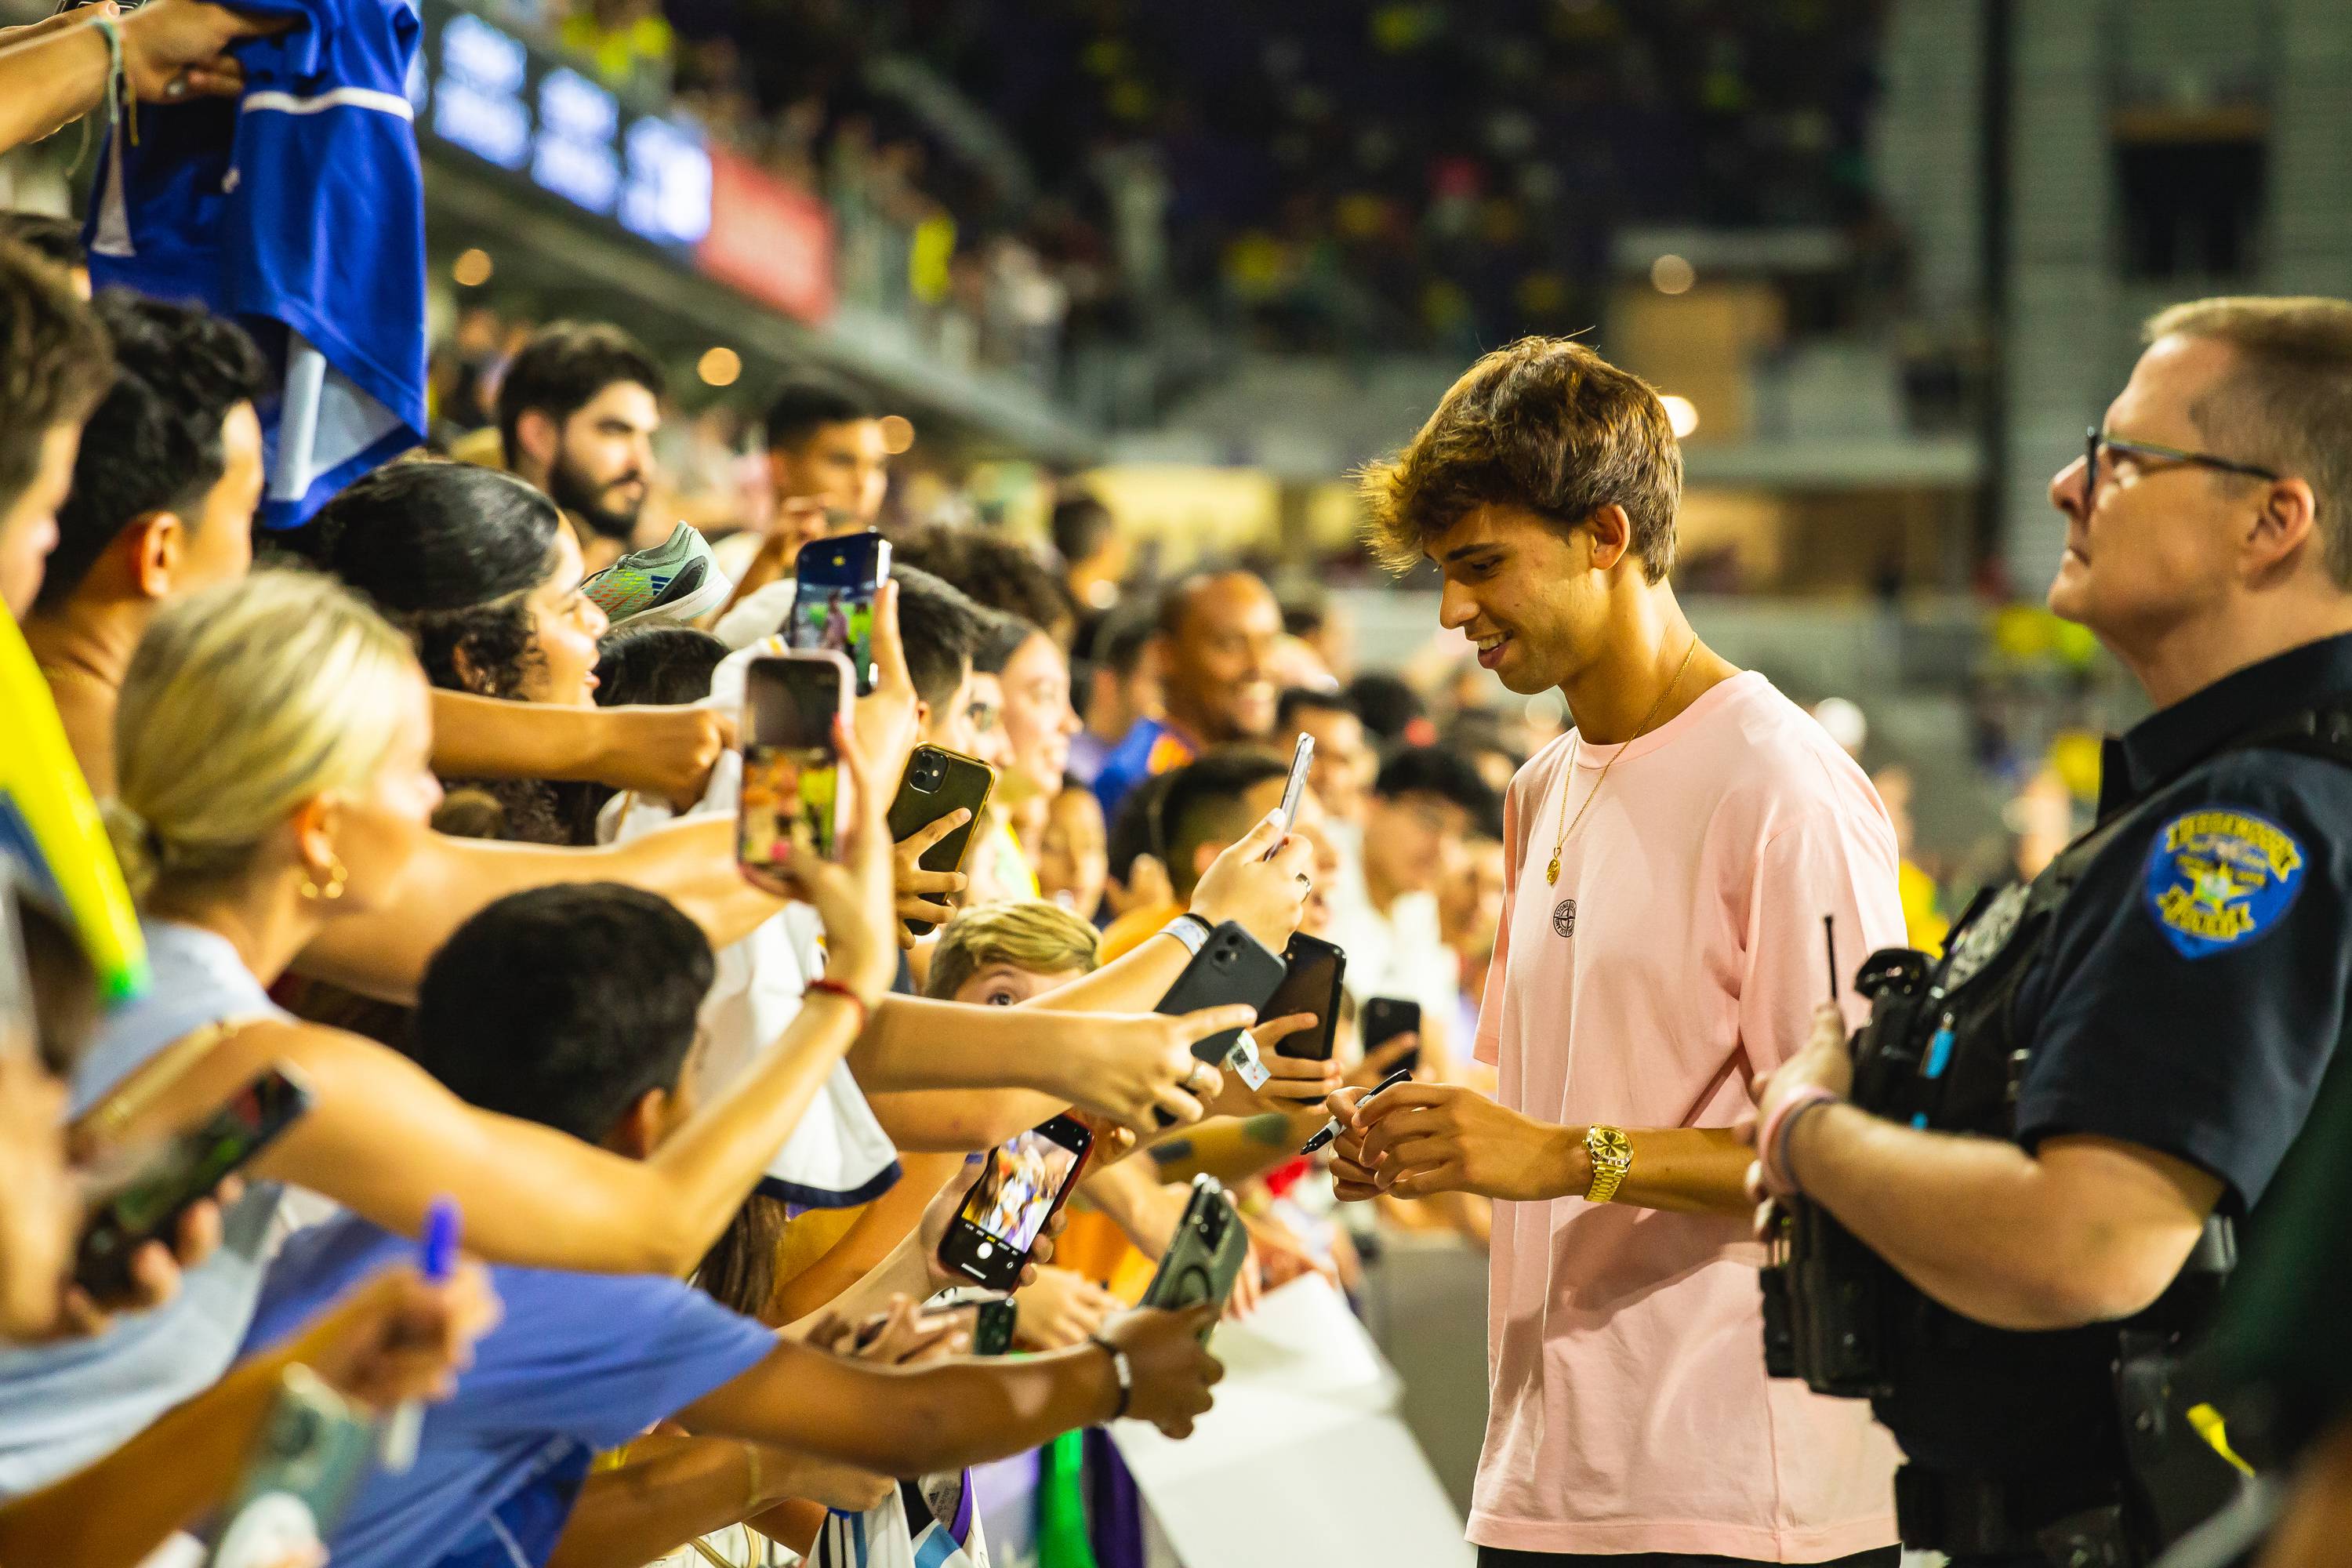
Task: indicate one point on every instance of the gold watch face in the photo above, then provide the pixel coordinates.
(1610, 1147)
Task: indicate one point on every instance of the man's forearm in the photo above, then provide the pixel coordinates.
(1132, 982)
(48, 78)
(942, 1120)
(491, 737)
(1967, 1220)
(915, 1043)
(1234, 1149)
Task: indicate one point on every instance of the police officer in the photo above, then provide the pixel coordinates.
(2032, 1135)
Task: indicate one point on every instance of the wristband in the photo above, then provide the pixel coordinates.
(1191, 929)
(1120, 1369)
(837, 988)
(1773, 1138)
(751, 1463)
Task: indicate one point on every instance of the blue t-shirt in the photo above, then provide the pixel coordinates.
(300, 211)
(1151, 747)
(579, 1364)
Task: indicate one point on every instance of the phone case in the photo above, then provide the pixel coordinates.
(1312, 971)
(1231, 966)
(986, 1259)
(1206, 1256)
(836, 583)
(992, 1330)
(312, 1453)
(1386, 1017)
(759, 824)
(149, 1205)
(954, 780)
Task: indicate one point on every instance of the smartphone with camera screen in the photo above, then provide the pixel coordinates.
(833, 601)
(1206, 1256)
(791, 795)
(937, 781)
(1312, 971)
(149, 1205)
(312, 1453)
(1023, 1182)
(1386, 1017)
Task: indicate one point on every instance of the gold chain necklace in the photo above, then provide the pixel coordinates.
(1568, 826)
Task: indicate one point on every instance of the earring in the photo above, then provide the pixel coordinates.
(336, 877)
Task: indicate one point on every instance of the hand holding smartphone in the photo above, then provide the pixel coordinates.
(1206, 1255)
(1294, 789)
(1020, 1187)
(939, 782)
(791, 792)
(836, 581)
(149, 1207)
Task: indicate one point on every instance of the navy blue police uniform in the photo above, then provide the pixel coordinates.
(2186, 997)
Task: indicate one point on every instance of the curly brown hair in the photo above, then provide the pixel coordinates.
(1546, 424)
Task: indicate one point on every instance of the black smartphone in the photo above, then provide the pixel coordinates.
(833, 601)
(1312, 969)
(1206, 1256)
(1231, 966)
(991, 1328)
(1020, 1187)
(149, 1205)
(937, 781)
(1386, 1017)
(791, 766)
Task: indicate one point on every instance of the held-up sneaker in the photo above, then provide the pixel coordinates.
(678, 581)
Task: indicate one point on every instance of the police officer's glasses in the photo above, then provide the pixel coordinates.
(2097, 443)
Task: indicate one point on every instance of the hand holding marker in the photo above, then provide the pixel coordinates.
(1331, 1128)
(401, 1430)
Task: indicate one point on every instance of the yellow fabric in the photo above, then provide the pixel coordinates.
(809, 1237)
(1095, 1246)
(1924, 924)
(1135, 928)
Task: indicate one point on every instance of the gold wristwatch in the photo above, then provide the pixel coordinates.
(1612, 1153)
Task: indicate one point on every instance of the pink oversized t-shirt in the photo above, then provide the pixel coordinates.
(1679, 956)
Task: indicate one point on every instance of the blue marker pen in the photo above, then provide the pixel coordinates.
(397, 1450)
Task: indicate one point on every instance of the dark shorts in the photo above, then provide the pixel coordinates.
(1497, 1557)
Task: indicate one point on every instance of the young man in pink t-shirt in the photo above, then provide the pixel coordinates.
(1669, 865)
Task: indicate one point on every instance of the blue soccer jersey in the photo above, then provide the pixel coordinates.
(299, 210)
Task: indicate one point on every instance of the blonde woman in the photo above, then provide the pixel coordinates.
(274, 738)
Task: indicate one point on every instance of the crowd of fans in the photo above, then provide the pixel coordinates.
(624, 1064)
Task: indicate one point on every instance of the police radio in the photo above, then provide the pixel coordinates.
(1828, 1300)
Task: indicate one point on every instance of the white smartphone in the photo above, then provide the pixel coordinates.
(1294, 788)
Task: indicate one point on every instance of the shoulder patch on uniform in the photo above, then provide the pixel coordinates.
(2219, 877)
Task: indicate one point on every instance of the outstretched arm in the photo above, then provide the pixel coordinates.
(383, 953)
(667, 752)
(53, 71)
